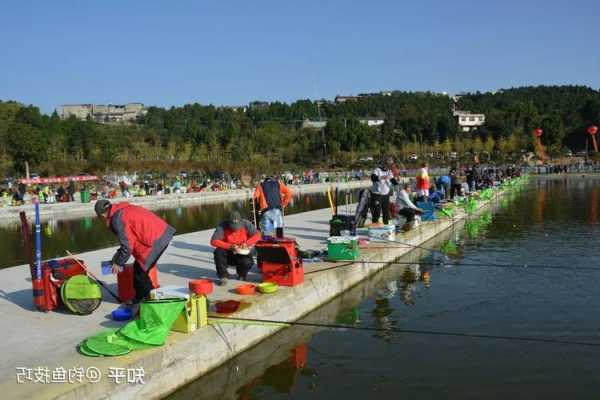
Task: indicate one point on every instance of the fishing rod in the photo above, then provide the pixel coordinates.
(456, 264)
(416, 246)
(269, 322)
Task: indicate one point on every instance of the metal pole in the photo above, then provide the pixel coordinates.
(38, 242)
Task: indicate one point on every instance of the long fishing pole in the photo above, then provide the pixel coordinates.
(489, 265)
(269, 322)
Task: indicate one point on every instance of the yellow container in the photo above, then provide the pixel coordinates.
(188, 319)
(202, 309)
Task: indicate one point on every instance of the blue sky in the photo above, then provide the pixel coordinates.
(231, 52)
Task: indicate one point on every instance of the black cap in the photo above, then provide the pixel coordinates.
(101, 207)
(234, 220)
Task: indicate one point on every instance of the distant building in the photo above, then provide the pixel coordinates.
(343, 99)
(375, 94)
(468, 121)
(310, 124)
(258, 105)
(371, 121)
(242, 109)
(104, 114)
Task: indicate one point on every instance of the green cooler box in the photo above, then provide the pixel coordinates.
(343, 248)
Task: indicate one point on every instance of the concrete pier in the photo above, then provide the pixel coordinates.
(33, 339)
(78, 210)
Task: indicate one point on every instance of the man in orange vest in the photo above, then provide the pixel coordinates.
(271, 197)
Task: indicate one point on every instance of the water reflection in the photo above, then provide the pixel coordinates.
(280, 377)
(593, 206)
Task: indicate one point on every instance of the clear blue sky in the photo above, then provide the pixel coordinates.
(231, 52)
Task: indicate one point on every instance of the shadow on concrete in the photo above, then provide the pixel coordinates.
(110, 323)
(320, 239)
(206, 260)
(22, 298)
(186, 271)
(300, 229)
(192, 246)
(319, 222)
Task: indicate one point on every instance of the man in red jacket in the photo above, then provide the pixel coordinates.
(142, 235)
(233, 240)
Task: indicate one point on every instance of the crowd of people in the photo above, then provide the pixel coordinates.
(124, 186)
(387, 198)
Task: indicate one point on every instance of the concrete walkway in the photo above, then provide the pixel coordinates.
(78, 210)
(34, 339)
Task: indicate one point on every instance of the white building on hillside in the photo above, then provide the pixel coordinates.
(371, 121)
(468, 121)
(111, 113)
(311, 124)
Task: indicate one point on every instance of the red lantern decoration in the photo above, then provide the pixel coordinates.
(592, 130)
(539, 148)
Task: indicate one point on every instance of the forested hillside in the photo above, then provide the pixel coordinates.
(271, 136)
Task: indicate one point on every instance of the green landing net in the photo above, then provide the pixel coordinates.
(150, 330)
(154, 324)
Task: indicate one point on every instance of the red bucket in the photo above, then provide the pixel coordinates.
(201, 286)
(125, 288)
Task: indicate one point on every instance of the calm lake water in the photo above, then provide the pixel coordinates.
(89, 233)
(550, 222)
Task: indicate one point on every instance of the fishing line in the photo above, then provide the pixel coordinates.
(457, 264)
(405, 331)
(442, 263)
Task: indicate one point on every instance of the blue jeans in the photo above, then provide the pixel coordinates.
(271, 220)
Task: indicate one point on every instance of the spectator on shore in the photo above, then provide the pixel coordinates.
(22, 189)
(71, 190)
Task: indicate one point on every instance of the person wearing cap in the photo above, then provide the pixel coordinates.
(380, 194)
(142, 234)
(271, 197)
(233, 240)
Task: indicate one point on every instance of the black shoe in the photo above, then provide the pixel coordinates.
(243, 278)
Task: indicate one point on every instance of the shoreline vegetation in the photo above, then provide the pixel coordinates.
(269, 137)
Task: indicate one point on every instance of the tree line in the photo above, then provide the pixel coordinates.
(270, 137)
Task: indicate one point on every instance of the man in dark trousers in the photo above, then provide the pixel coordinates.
(142, 234)
(71, 190)
(271, 197)
(233, 240)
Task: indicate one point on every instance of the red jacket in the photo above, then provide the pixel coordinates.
(224, 237)
(142, 234)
